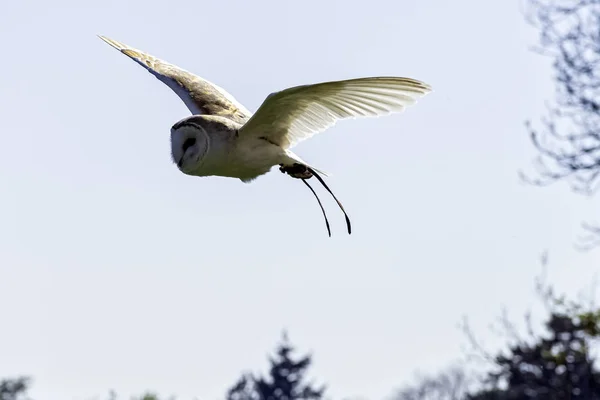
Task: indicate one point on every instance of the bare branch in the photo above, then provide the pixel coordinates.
(567, 139)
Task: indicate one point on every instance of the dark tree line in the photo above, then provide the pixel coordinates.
(559, 363)
(286, 380)
(14, 389)
(453, 384)
(568, 137)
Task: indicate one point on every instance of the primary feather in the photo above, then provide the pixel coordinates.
(199, 95)
(295, 114)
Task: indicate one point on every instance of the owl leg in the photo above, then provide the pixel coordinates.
(296, 170)
(301, 171)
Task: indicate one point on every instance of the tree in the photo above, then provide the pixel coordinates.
(557, 364)
(285, 381)
(451, 384)
(568, 140)
(14, 389)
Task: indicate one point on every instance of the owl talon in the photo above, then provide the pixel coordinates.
(297, 170)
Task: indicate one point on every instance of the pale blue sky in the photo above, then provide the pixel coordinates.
(117, 271)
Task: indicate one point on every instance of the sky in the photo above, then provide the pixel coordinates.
(119, 272)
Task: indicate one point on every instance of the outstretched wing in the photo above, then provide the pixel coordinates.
(292, 115)
(199, 95)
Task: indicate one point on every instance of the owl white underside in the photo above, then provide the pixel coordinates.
(247, 159)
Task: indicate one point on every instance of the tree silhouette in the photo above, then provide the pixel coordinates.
(569, 142)
(285, 381)
(14, 389)
(568, 138)
(557, 364)
(451, 384)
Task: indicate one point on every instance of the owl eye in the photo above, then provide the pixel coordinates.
(189, 142)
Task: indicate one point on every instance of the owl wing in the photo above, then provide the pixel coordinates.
(295, 114)
(199, 95)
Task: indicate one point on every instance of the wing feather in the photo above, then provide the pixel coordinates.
(295, 114)
(199, 95)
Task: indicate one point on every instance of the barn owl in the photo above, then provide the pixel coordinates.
(223, 138)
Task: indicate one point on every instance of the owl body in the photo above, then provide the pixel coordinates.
(207, 145)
